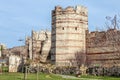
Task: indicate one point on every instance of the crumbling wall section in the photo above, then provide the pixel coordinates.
(15, 62)
(39, 45)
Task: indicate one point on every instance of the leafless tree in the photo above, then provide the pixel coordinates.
(79, 59)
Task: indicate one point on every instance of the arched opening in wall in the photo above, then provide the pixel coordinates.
(62, 28)
(75, 28)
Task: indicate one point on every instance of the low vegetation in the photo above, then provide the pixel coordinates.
(20, 76)
(42, 76)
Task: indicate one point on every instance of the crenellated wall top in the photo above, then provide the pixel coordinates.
(78, 9)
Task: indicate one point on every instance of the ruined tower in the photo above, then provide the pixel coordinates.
(39, 45)
(68, 35)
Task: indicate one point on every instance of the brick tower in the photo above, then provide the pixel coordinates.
(68, 35)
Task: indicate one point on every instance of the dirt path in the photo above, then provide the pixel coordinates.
(73, 77)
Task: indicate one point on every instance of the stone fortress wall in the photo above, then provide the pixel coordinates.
(70, 40)
(68, 34)
(103, 48)
(39, 45)
(69, 43)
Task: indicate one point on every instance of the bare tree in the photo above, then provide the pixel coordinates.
(79, 59)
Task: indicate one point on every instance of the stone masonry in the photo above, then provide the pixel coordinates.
(68, 34)
(15, 63)
(69, 43)
(39, 45)
(103, 48)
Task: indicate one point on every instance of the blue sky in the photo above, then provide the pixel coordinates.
(19, 17)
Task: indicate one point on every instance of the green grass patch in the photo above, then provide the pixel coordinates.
(20, 76)
(101, 77)
(43, 76)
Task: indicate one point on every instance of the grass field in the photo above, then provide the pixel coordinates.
(19, 76)
(41, 76)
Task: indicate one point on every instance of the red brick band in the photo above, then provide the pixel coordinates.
(102, 53)
(66, 40)
(104, 59)
(68, 47)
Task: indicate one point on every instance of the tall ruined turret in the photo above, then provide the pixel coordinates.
(68, 35)
(39, 45)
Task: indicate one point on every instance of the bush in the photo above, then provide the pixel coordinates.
(104, 71)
